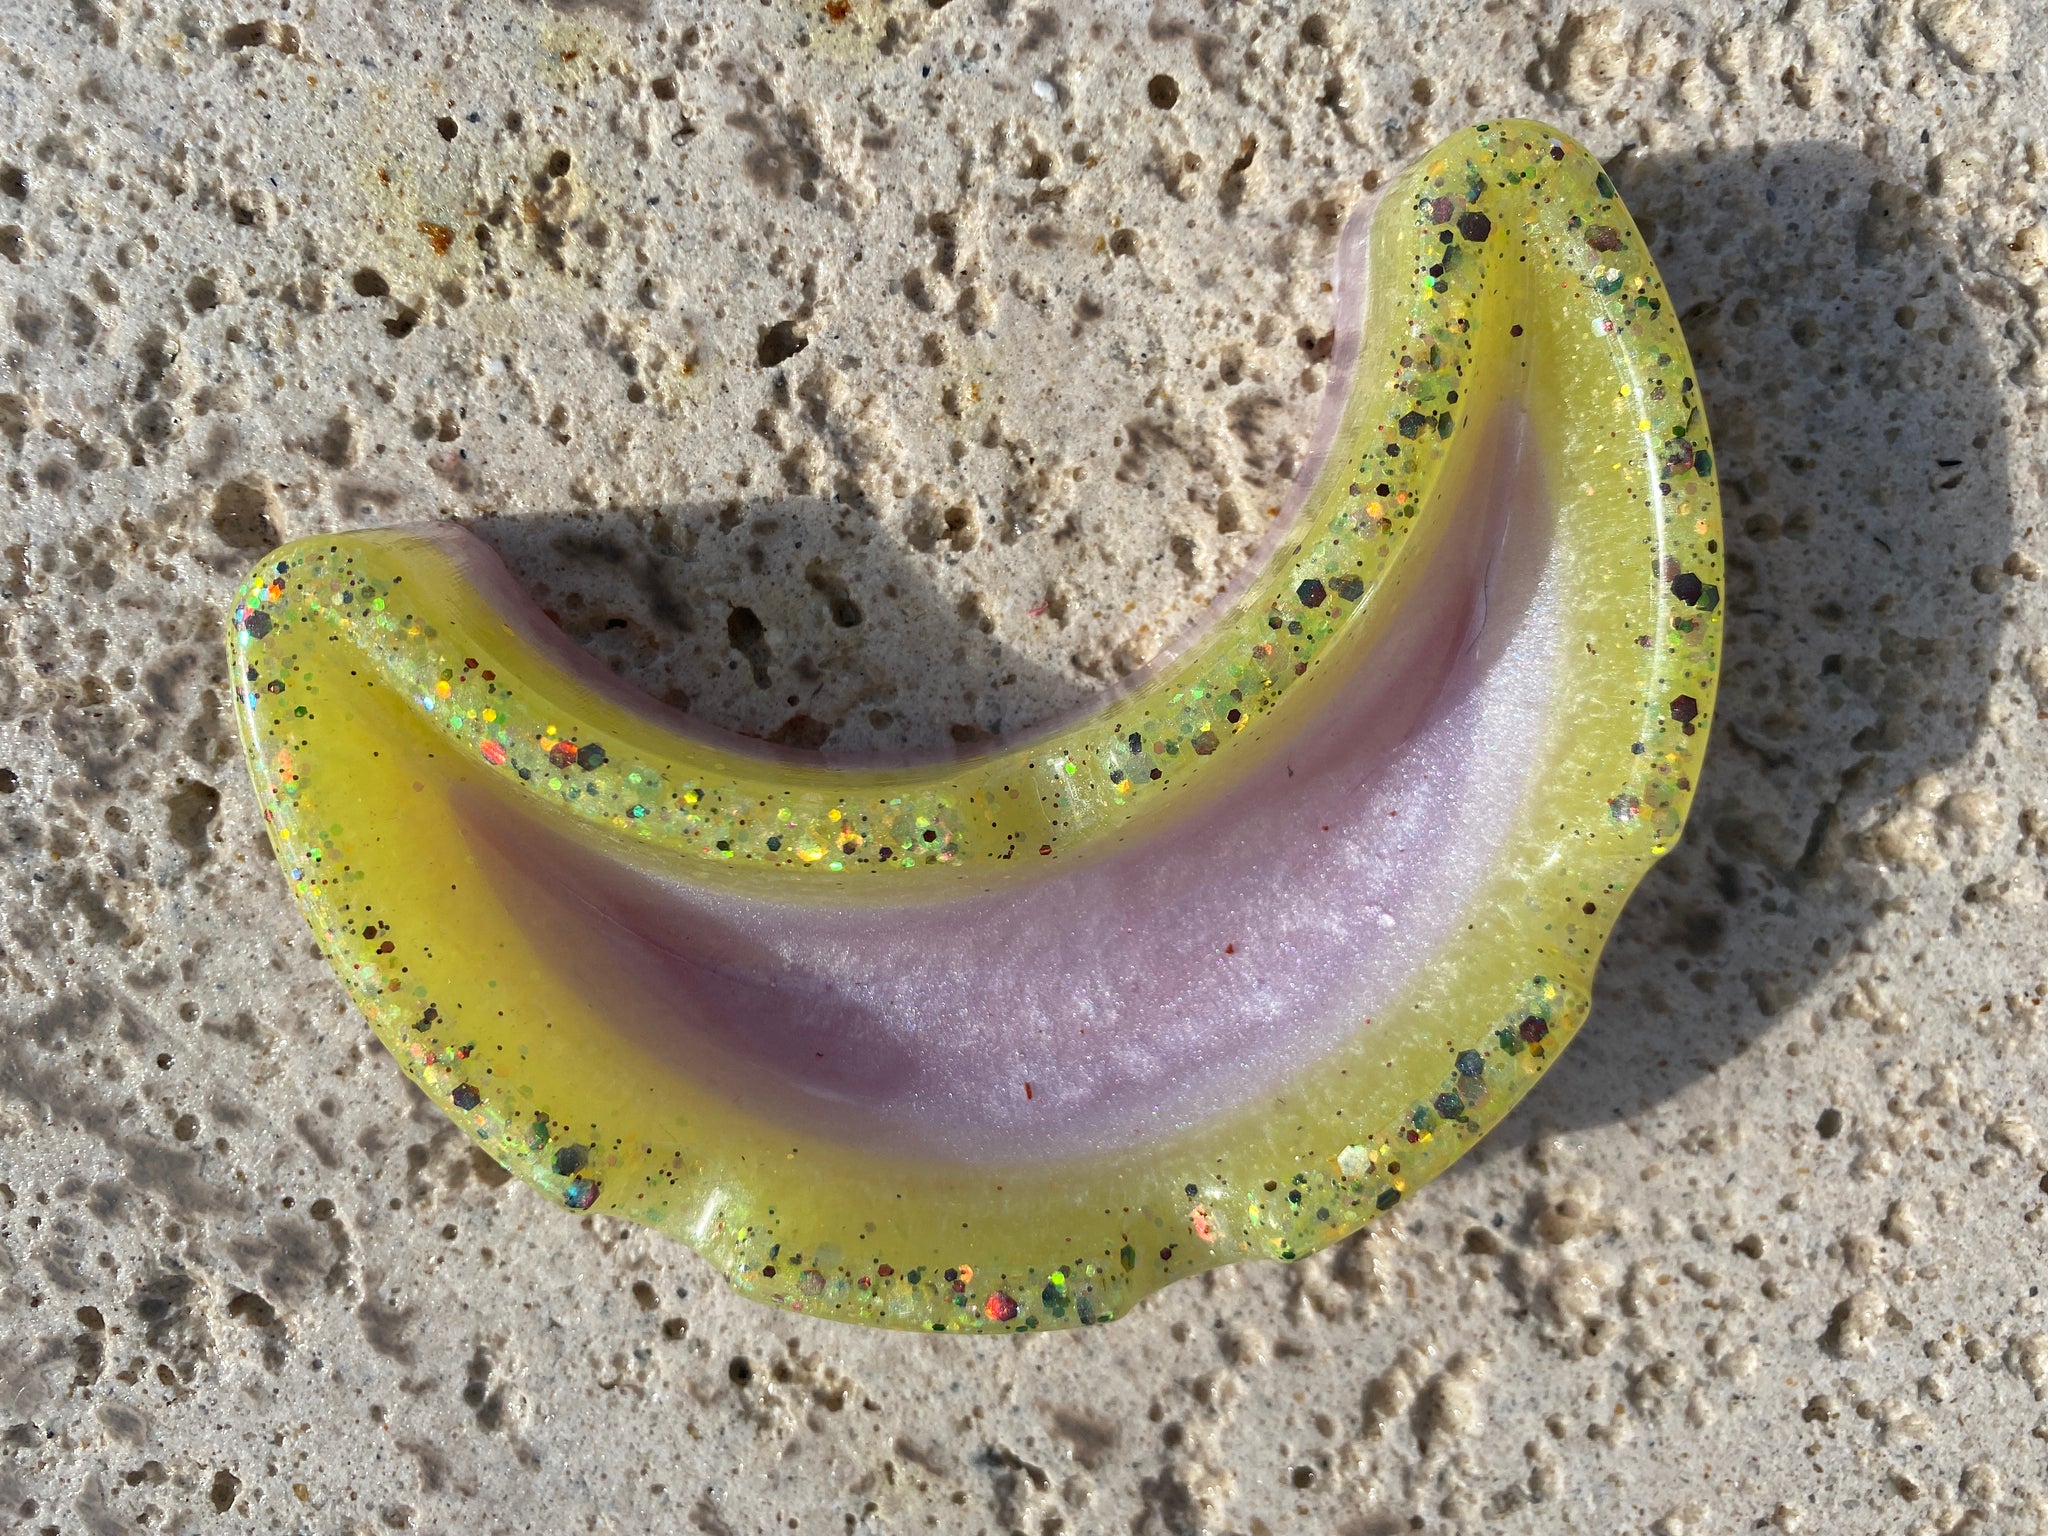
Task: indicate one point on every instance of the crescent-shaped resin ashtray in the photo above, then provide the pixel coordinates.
(1217, 970)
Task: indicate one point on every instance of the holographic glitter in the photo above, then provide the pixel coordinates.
(440, 774)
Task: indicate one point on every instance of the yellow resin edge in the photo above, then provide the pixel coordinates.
(839, 1231)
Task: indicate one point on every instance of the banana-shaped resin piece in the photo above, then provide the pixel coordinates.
(1215, 971)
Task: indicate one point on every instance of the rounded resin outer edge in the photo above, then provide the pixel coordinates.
(1504, 244)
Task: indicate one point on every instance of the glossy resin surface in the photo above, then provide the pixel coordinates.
(1216, 970)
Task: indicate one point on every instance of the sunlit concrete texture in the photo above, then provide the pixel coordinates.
(900, 374)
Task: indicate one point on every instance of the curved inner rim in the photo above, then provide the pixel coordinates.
(1128, 995)
(480, 565)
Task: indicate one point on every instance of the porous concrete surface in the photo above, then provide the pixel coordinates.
(890, 374)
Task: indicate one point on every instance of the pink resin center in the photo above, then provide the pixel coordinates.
(1134, 991)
